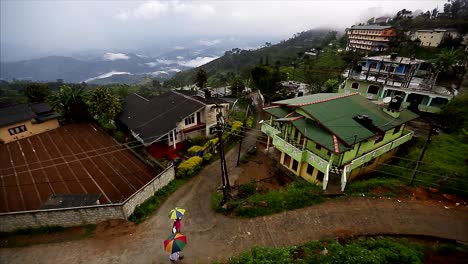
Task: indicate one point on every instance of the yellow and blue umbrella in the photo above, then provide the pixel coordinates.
(175, 243)
(176, 213)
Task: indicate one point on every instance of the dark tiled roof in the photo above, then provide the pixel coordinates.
(151, 119)
(23, 112)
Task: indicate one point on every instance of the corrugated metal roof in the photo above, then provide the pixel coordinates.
(277, 111)
(333, 114)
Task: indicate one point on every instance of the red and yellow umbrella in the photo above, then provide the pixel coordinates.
(175, 243)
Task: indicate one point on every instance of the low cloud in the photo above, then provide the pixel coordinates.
(105, 75)
(209, 42)
(115, 56)
(197, 61)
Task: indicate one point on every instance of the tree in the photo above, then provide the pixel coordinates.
(237, 87)
(332, 85)
(455, 115)
(69, 101)
(37, 92)
(201, 78)
(103, 104)
(446, 60)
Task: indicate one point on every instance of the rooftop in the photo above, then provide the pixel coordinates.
(22, 112)
(401, 60)
(332, 116)
(371, 27)
(152, 119)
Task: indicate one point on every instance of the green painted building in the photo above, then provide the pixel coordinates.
(334, 137)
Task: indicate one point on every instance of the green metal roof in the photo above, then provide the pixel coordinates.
(309, 99)
(311, 130)
(278, 111)
(333, 114)
(337, 117)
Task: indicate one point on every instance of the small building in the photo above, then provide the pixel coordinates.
(332, 138)
(25, 120)
(165, 121)
(386, 76)
(433, 37)
(370, 38)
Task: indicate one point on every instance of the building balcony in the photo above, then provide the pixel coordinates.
(380, 151)
(293, 150)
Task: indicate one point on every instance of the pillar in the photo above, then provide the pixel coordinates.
(429, 101)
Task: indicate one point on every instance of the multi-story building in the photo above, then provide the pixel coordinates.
(433, 37)
(370, 38)
(331, 138)
(386, 76)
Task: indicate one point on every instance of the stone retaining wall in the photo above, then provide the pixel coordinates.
(86, 214)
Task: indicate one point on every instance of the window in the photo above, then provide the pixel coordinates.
(190, 120)
(397, 129)
(287, 160)
(355, 85)
(171, 137)
(17, 130)
(294, 165)
(212, 130)
(373, 89)
(310, 169)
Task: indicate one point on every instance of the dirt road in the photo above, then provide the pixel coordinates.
(216, 237)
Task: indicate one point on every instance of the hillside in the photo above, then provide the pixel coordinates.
(240, 61)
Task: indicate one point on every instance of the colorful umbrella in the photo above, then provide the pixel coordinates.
(175, 243)
(177, 213)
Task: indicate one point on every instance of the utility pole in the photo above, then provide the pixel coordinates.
(224, 174)
(242, 134)
(428, 140)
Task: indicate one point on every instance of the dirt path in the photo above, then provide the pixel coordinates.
(216, 237)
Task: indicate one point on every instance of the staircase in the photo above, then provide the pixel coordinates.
(334, 185)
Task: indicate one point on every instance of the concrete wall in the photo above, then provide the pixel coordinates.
(32, 129)
(87, 214)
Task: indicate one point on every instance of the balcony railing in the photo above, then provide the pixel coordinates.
(380, 151)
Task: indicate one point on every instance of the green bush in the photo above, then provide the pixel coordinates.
(211, 142)
(246, 190)
(189, 167)
(207, 157)
(296, 195)
(236, 126)
(34, 231)
(194, 149)
(119, 136)
(369, 250)
(250, 122)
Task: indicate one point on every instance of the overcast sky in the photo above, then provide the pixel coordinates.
(106, 24)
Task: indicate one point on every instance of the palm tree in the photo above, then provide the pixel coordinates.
(70, 103)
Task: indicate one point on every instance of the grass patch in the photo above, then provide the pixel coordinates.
(361, 250)
(89, 230)
(251, 203)
(149, 206)
(357, 188)
(444, 165)
(34, 231)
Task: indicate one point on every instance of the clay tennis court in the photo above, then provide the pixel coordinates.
(73, 159)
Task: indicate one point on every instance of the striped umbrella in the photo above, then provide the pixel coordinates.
(176, 213)
(175, 243)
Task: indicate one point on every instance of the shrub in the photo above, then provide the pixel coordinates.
(236, 126)
(194, 149)
(250, 122)
(211, 142)
(119, 136)
(189, 167)
(207, 157)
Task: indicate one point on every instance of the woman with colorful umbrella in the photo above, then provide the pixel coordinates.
(177, 214)
(174, 245)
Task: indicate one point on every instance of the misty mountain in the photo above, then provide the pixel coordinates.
(241, 60)
(98, 66)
